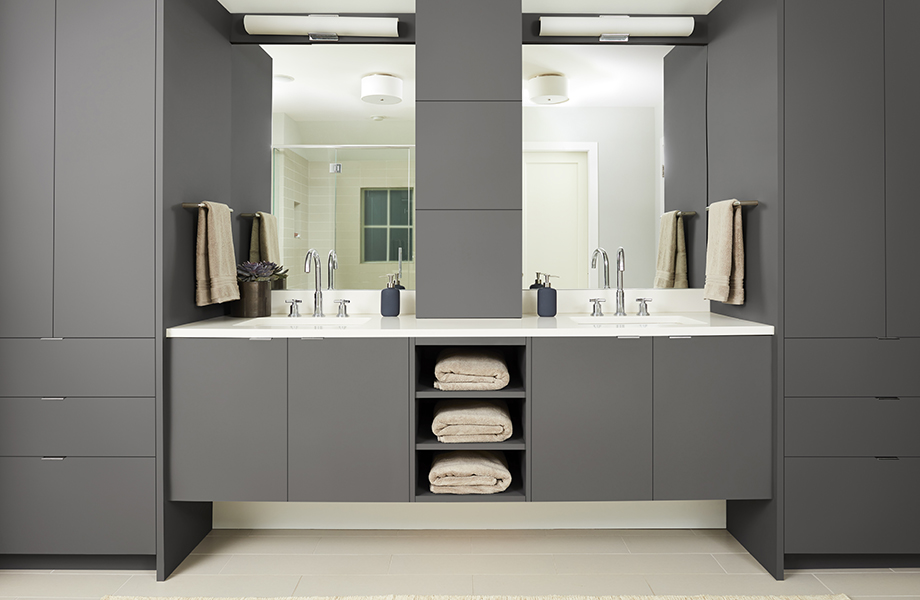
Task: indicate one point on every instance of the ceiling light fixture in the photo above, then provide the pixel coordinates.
(321, 27)
(551, 88)
(617, 28)
(282, 78)
(381, 88)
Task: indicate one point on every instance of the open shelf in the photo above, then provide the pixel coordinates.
(514, 493)
(426, 357)
(425, 439)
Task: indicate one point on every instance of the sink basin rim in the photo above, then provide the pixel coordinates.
(656, 320)
(284, 321)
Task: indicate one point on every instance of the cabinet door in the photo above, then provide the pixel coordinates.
(713, 418)
(591, 419)
(835, 170)
(348, 420)
(27, 165)
(902, 154)
(227, 416)
(105, 168)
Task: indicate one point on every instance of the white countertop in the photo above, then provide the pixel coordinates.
(562, 325)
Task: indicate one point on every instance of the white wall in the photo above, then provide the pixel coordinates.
(628, 149)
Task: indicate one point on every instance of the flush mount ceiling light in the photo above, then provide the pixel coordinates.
(616, 28)
(282, 78)
(321, 27)
(548, 89)
(381, 88)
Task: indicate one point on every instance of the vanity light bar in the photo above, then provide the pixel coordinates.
(617, 28)
(321, 27)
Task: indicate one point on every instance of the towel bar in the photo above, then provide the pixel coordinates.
(740, 203)
(250, 216)
(195, 205)
(688, 213)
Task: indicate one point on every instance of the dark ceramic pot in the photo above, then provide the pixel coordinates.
(255, 300)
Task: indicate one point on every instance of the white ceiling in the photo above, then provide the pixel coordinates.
(624, 7)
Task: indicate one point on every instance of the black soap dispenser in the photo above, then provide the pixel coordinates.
(537, 284)
(546, 298)
(389, 298)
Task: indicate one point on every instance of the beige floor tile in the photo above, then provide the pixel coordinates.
(884, 597)
(906, 570)
(25, 571)
(306, 564)
(50, 585)
(324, 532)
(728, 584)
(548, 584)
(460, 564)
(211, 585)
(552, 544)
(739, 563)
(52, 598)
(202, 564)
(654, 532)
(872, 584)
(368, 585)
(230, 532)
(257, 545)
(471, 532)
(447, 544)
(637, 564)
(692, 544)
(712, 532)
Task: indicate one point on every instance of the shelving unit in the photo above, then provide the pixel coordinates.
(424, 396)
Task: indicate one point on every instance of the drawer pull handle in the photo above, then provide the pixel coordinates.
(260, 339)
(888, 398)
(51, 339)
(888, 339)
(52, 399)
(53, 457)
(887, 458)
(680, 337)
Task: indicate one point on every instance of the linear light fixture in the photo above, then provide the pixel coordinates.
(321, 27)
(616, 28)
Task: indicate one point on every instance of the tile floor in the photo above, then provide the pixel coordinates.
(589, 562)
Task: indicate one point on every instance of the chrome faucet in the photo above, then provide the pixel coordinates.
(603, 253)
(621, 267)
(332, 265)
(317, 280)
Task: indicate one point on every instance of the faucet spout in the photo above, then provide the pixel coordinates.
(621, 268)
(317, 280)
(331, 265)
(602, 253)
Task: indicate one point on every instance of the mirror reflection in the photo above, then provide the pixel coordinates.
(343, 161)
(593, 165)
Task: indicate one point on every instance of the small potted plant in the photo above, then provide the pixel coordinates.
(255, 281)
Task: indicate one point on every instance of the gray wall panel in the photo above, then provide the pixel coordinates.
(686, 179)
(468, 155)
(472, 263)
(27, 164)
(835, 170)
(104, 168)
(468, 50)
(902, 211)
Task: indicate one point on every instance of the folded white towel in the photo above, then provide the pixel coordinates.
(470, 421)
(469, 472)
(466, 369)
(725, 254)
(215, 258)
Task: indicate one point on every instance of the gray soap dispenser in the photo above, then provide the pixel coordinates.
(537, 284)
(546, 298)
(389, 298)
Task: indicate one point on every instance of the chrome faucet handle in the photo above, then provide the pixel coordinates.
(295, 310)
(343, 307)
(597, 311)
(643, 306)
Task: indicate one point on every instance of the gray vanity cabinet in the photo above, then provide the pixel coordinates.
(713, 418)
(591, 419)
(27, 165)
(348, 420)
(227, 419)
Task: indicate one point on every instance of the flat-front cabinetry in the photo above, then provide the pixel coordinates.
(653, 418)
(299, 420)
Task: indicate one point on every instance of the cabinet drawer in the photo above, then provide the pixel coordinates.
(852, 426)
(77, 367)
(77, 427)
(852, 506)
(78, 506)
(852, 367)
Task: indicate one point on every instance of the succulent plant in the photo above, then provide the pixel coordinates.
(259, 271)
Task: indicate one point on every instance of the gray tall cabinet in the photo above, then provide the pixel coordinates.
(77, 347)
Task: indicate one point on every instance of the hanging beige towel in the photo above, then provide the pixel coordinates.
(671, 267)
(464, 369)
(469, 472)
(471, 421)
(215, 258)
(263, 244)
(725, 254)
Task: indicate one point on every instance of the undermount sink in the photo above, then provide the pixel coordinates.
(280, 321)
(653, 320)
